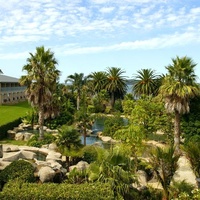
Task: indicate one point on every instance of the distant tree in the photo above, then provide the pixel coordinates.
(115, 84)
(146, 83)
(178, 87)
(41, 80)
(98, 80)
(1, 71)
(77, 82)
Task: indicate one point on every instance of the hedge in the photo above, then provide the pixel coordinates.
(9, 126)
(50, 191)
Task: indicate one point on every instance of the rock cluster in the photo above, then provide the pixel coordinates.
(45, 170)
(22, 132)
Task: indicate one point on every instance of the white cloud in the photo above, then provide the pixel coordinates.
(153, 43)
(106, 9)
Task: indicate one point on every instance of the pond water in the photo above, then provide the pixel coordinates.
(97, 126)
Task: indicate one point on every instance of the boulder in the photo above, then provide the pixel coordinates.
(53, 147)
(10, 148)
(27, 136)
(52, 155)
(18, 129)
(82, 165)
(4, 164)
(19, 136)
(11, 134)
(28, 155)
(12, 156)
(46, 174)
(142, 177)
(106, 139)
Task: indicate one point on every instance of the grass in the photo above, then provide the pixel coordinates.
(14, 142)
(12, 112)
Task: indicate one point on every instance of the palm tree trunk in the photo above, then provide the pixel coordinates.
(84, 135)
(112, 102)
(177, 132)
(41, 123)
(78, 102)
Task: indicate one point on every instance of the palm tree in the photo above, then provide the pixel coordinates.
(115, 84)
(192, 150)
(68, 139)
(77, 81)
(114, 167)
(178, 87)
(98, 80)
(40, 80)
(164, 163)
(146, 82)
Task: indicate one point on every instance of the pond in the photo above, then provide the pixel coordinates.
(97, 127)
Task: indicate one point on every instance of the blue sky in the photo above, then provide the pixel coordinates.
(91, 35)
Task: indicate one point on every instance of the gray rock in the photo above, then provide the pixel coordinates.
(19, 136)
(12, 156)
(11, 134)
(46, 174)
(27, 136)
(82, 165)
(28, 155)
(53, 147)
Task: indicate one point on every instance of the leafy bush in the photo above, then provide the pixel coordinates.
(112, 124)
(181, 187)
(9, 126)
(20, 169)
(63, 118)
(35, 142)
(50, 191)
(90, 153)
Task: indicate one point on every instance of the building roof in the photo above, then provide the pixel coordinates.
(8, 79)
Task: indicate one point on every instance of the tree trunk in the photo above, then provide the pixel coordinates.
(78, 102)
(112, 102)
(177, 132)
(84, 135)
(41, 123)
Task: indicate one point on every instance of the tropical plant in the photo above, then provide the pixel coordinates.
(192, 150)
(114, 167)
(146, 83)
(68, 140)
(115, 84)
(82, 116)
(178, 87)
(164, 164)
(77, 82)
(40, 80)
(98, 80)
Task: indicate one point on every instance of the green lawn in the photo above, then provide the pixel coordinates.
(10, 113)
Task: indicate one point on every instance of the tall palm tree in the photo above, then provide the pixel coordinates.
(178, 87)
(146, 82)
(77, 81)
(115, 83)
(40, 80)
(98, 80)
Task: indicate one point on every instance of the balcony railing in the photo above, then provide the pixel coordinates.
(12, 89)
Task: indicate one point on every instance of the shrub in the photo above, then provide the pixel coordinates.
(90, 153)
(50, 191)
(9, 126)
(112, 124)
(20, 169)
(35, 142)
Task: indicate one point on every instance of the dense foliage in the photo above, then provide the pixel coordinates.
(19, 169)
(18, 190)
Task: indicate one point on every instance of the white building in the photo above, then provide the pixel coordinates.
(10, 90)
